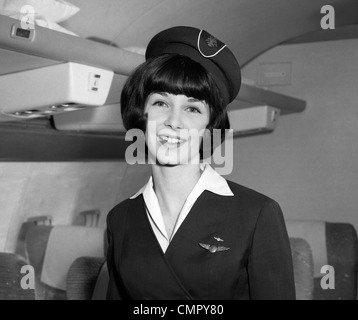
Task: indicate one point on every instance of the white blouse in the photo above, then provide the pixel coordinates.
(209, 180)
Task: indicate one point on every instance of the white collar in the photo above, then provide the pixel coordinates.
(209, 180)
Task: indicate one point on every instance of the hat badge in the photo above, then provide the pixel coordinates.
(212, 42)
(210, 46)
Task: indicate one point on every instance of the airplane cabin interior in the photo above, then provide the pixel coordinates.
(63, 142)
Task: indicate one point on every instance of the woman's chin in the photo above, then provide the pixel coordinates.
(169, 155)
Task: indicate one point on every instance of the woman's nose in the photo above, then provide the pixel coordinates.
(174, 119)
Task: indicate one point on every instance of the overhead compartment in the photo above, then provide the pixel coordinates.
(45, 73)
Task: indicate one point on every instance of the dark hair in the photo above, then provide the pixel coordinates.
(175, 74)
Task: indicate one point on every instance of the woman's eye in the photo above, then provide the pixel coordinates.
(193, 109)
(159, 104)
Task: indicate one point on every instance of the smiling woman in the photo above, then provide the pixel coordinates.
(162, 87)
(189, 233)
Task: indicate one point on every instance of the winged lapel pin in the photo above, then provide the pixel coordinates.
(213, 248)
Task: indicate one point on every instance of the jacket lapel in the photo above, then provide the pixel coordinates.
(145, 262)
(190, 262)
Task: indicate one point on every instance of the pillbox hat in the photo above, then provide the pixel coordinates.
(204, 48)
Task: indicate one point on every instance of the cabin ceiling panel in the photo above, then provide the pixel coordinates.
(105, 19)
(249, 27)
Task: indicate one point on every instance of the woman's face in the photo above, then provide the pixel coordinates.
(175, 127)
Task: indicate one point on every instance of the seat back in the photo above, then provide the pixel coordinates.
(82, 278)
(33, 221)
(333, 244)
(88, 218)
(11, 277)
(52, 250)
(65, 245)
(88, 278)
(35, 246)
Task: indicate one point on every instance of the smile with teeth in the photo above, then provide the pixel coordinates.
(170, 140)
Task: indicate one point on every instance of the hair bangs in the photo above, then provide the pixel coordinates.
(181, 75)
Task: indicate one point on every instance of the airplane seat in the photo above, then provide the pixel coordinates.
(35, 245)
(52, 250)
(88, 218)
(12, 278)
(335, 261)
(87, 279)
(30, 222)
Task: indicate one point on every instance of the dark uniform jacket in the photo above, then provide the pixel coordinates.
(256, 262)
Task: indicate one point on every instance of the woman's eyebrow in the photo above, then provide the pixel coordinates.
(195, 100)
(164, 94)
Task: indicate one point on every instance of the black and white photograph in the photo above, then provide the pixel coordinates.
(181, 150)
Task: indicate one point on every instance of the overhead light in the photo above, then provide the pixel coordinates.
(52, 90)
